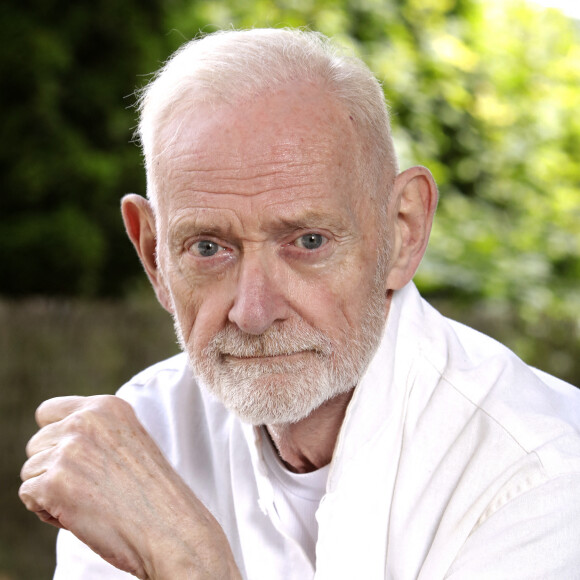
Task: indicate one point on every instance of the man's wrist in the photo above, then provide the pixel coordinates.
(188, 564)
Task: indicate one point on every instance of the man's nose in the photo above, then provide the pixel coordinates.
(260, 298)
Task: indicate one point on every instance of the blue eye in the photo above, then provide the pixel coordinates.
(310, 241)
(205, 248)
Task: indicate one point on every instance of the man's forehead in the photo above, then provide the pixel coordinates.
(257, 154)
(287, 123)
(248, 154)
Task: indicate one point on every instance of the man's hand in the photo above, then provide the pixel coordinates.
(94, 470)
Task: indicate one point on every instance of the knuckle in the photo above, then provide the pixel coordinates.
(53, 481)
(24, 493)
(30, 448)
(114, 406)
(52, 485)
(79, 422)
(37, 498)
(40, 411)
(89, 419)
(24, 472)
(113, 402)
(34, 444)
(30, 494)
(70, 452)
(104, 402)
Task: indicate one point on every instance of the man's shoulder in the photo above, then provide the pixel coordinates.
(173, 407)
(478, 365)
(485, 445)
(171, 369)
(496, 380)
(160, 388)
(484, 381)
(509, 409)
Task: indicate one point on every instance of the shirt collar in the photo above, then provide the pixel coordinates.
(379, 399)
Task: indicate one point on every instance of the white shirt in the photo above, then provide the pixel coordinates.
(296, 499)
(455, 460)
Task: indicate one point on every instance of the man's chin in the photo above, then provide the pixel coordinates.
(273, 398)
(269, 417)
(273, 390)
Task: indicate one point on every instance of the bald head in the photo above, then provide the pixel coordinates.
(280, 225)
(236, 67)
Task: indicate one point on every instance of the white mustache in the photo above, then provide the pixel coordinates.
(276, 341)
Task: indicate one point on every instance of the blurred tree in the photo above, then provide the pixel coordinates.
(67, 70)
(485, 93)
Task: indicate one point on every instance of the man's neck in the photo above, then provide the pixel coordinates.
(309, 444)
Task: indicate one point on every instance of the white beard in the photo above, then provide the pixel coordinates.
(286, 390)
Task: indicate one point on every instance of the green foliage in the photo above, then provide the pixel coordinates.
(507, 226)
(65, 156)
(484, 93)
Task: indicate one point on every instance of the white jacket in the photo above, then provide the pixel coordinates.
(455, 460)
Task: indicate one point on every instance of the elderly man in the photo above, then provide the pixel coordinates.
(323, 420)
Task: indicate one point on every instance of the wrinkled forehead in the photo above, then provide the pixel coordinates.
(278, 140)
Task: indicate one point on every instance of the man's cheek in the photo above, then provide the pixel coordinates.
(204, 319)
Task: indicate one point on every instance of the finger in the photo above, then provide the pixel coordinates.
(45, 517)
(28, 493)
(36, 465)
(56, 409)
(46, 438)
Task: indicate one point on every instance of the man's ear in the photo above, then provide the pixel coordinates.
(140, 226)
(413, 203)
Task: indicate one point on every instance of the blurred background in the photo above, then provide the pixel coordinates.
(486, 93)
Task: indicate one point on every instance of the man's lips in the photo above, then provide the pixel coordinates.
(265, 357)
